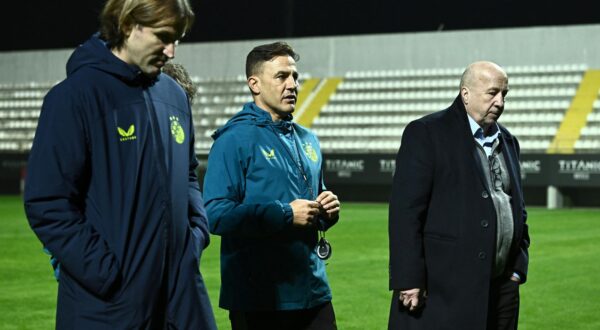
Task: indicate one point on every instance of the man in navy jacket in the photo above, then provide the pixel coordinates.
(112, 191)
(457, 223)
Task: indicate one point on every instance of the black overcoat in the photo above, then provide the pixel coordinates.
(442, 222)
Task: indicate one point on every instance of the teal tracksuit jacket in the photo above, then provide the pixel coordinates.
(253, 174)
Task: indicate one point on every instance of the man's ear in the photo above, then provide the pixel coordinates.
(254, 84)
(464, 94)
(127, 30)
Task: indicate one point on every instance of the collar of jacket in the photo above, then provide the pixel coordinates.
(252, 114)
(458, 108)
(95, 53)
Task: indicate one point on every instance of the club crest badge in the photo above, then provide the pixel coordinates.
(310, 152)
(177, 130)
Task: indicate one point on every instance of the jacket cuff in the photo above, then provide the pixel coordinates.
(288, 214)
(279, 216)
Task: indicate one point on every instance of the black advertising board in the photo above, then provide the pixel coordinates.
(12, 172)
(537, 170)
(577, 170)
(359, 169)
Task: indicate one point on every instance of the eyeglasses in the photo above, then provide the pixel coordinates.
(495, 172)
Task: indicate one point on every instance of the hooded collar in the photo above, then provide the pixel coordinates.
(252, 114)
(95, 53)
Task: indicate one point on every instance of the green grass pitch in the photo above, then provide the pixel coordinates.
(563, 291)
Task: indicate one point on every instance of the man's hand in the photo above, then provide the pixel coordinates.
(305, 212)
(329, 205)
(413, 299)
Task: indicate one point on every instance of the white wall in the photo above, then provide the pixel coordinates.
(39, 66)
(331, 56)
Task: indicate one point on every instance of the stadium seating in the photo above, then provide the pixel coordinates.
(367, 112)
(20, 106)
(590, 135)
(371, 108)
(217, 100)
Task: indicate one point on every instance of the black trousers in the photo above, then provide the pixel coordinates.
(321, 317)
(503, 307)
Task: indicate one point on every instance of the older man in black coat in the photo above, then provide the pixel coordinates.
(458, 237)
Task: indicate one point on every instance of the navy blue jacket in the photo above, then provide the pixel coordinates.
(442, 222)
(252, 176)
(112, 193)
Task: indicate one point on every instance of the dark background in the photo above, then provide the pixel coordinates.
(67, 23)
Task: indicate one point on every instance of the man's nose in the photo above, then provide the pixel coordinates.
(291, 83)
(500, 100)
(169, 50)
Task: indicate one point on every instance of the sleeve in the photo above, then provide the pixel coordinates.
(57, 181)
(324, 224)
(224, 190)
(196, 211)
(522, 260)
(410, 196)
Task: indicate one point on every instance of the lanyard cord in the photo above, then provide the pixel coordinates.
(323, 248)
(299, 164)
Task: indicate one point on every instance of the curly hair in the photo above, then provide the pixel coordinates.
(182, 77)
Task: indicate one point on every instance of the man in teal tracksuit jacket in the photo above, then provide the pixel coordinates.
(112, 191)
(265, 197)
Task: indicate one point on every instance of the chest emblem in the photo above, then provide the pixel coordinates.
(310, 152)
(126, 135)
(177, 130)
(268, 155)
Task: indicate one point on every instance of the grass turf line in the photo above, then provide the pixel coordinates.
(562, 290)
